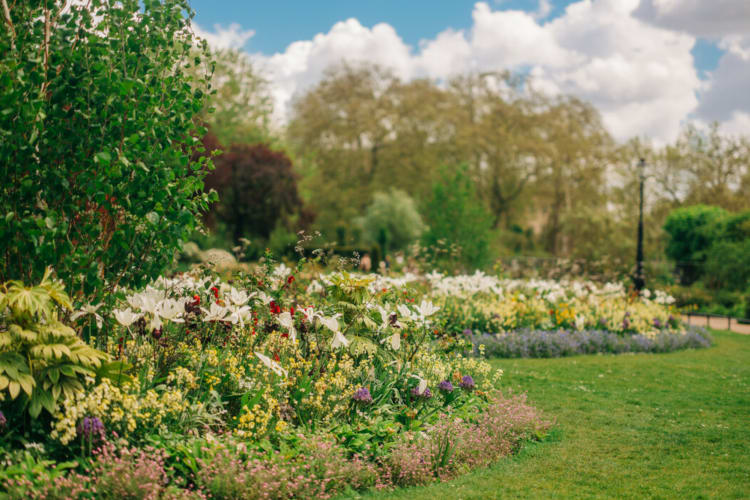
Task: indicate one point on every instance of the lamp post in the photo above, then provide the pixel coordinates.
(639, 281)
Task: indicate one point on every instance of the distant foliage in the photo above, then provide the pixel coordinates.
(96, 127)
(710, 244)
(257, 187)
(392, 219)
(458, 224)
(692, 231)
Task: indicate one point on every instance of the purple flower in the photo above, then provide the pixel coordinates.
(91, 427)
(657, 323)
(362, 395)
(426, 394)
(3, 420)
(445, 386)
(467, 383)
(467, 332)
(625, 323)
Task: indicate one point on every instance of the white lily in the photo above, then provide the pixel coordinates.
(240, 297)
(126, 317)
(339, 340)
(286, 320)
(215, 313)
(273, 365)
(331, 323)
(394, 341)
(239, 315)
(427, 308)
(405, 312)
(89, 309)
(171, 309)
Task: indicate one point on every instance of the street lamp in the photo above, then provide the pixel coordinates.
(639, 280)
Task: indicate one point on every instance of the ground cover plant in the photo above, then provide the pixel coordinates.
(633, 426)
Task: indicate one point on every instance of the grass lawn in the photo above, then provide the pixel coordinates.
(629, 426)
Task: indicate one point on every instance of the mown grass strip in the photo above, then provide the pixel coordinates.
(629, 426)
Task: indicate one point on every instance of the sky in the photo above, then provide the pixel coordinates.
(649, 66)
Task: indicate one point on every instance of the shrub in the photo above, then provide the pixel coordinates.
(692, 231)
(455, 217)
(392, 220)
(96, 127)
(41, 359)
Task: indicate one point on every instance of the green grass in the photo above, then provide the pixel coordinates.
(629, 426)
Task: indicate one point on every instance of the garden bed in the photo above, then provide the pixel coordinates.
(527, 343)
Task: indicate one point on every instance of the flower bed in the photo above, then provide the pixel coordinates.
(269, 385)
(284, 382)
(528, 343)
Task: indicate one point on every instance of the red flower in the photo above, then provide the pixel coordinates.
(276, 357)
(215, 291)
(196, 299)
(291, 311)
(290, 279)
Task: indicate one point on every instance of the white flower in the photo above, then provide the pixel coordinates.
(126, 317)
(331, 323)
(239, 315)
(339, 340)
(405, 312)
(286, 320)
(393, 340)
(216, 313)
(580, 322)
(427, 308)
(422, 384)
(89, 309)
(273, 365)
(171, 309)
(240, 298)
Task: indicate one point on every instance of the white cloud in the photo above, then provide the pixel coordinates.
(703, 18)
(639, 75)
(727, 91)
(233, 37)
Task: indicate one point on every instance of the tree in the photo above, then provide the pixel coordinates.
(257, 187)
(692, 231)
(97, 124)
(456, 218)
(239, 110)
(392, 216)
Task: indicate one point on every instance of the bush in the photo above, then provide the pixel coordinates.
(391, 220)
(96, 133)
(455, 217)
(692, 231)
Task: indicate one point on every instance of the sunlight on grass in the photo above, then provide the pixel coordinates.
(629, 426)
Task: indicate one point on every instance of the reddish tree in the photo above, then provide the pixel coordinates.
(257, 189)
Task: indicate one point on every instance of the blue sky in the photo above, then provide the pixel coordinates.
(649, 66)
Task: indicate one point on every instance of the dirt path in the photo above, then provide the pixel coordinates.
(718, 323)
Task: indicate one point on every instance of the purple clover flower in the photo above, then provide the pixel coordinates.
(467, 332)
(362, 395)
(467, 383)
(446, 386)
(425, 395)
(3, 420)
(657, 323)
(91, 427)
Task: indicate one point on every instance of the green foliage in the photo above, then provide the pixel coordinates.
(96, 127)
(41, 359)
(728, 264)
(692, 231)
(455, 217)
(392, 217)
